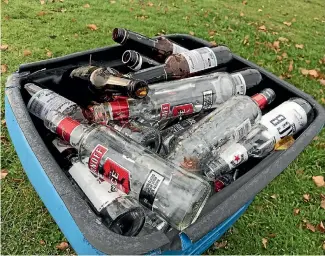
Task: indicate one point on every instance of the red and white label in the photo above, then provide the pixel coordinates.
(119, 109)
(183, 110)
(66, 127)
(164, 110)
(260, 99)
(110, 170)
(234, 155)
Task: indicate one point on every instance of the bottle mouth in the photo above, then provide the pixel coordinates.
(119, 35)
(139, 89)
(129, 223)
(131, 59)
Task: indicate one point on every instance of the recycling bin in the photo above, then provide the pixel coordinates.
(81, 226)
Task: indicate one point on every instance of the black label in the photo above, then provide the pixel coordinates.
(149, 189)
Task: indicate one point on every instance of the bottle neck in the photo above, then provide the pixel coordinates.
(264, 98)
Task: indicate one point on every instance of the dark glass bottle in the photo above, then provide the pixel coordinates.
(136, 61)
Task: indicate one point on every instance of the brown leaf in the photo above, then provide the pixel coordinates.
(212, 33)
(241, 14)
(276, 44)
(4, 47)
(92, 27)
(290, 66)
(86, 6)
(6, 1)
(4, 173)
(299, 46)
(62, 246)
(244, 2)
(279, 58)
(191, 33)
(319, 181)
(42, 2)
(264, 242)
(284, 55)
(306, 197)
(310, 227)
(322, 61)
(296, 211)
(259, 10)
(17, 180)
(42, 242)
(322, 81)
(320, 227)
(150, 4)
(112, 1)
(293, 20)
(323, 245)
(283, 39)
(287, 23)
(323, 100)
(305, 72)
(213, 43)
(273, 196)
(7, 17)
(246, 38)
(4, 68)
(313, 73)
(322, 204)
(307, 61)
(272, 235)
(49, 54)
(41, 13)
(27, 52)
(221, 244)
(262, 28)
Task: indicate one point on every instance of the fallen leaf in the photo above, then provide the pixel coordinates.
(323, 100)
(290, 66)
(310, 227)
(112, 1)
(293, 20)
(6, 1)
(4, 173)
(276, 44)
(244, 2)
(191, 33)
(319, 181)
(62, 246)
(92, 27)
(272, 235)
(299, 46)
(287, 23)
(150, 4)
(279, 58)
(42, 2)
(322, 61)
(284, 55)
(264, 242)
(300, 172)
(63, 10)
(49, 54)
(245, 41)
(86, 6)
(273, 196)
(212, 33)
(7, 17)
(313, 73)
(320, 227)
(305, 72)
(27, 52)
(322, 204)
(4, 68)
(17, 180)
(42, 242)
(222, 244)
(241, 14)
(307, 61)
(259, 10)
(322, 81)
(323, 245)
(306, 197)
(41, 13)
(4, 47)
(296, 211)
(213, 43)
(262, 28)
(283, 39)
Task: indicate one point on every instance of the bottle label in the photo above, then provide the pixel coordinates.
(234, 155)
(200, 59)
(45, 101)
(178, 49)
(239, 83)
(61, 145)
(119, 109)
(242, 130)
(284, 120)
(207, 100)
(164, 110)
(110, 171)
(100, 193)
(66, 127)
(260, 99)
(149, 189)
(179, 110)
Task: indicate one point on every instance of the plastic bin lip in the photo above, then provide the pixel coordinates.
(216, 210)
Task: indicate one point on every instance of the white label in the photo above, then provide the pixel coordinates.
(207, 100)
(200, 59)
(61, 145)
(286, 119)
(239, 83)
(234, 155)
(178, 49)
(100, 193)
(45, 101)
(242, 130)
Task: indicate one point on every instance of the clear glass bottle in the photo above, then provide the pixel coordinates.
(287, 119)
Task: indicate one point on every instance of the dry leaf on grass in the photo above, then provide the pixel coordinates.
(306, 197)
(241, 14)
(62, 246)
(322, 204)
(213, 43)
(150, 4)
(245, 41)
(299, 46)
(322, 61)
(313, 73)
(287, 23)
(284, 55)
(4, 68)
(272, 235)
(262, 28)
(86, 6)
(283, 39)
(191, 33)
(221, 244)
(323, 245)
(264, 242)
(112, 1)
(27, 52)
(259, 10)
(244, 2)
(319, 181)
(4, 173)
(322, 81)
(42, 2)
(49, 54)
(296, 211)
(42, 242)
(310, 227)
(41, 13)
(290, 66)
(276, 44)
(304, 71)
(4, 47)
(92, 27)
(320, 227)
(273, 196)
(212, 33)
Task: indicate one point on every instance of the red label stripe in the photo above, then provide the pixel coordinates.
(120, 109)
(260, 99)
(65, 128)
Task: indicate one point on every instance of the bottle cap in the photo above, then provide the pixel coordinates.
(264, 98)
(251, 76)
(119, 35)
(223, 54)
(306, 106)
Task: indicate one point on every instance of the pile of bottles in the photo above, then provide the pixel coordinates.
(163, 138)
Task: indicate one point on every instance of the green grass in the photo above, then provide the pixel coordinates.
(62, 30)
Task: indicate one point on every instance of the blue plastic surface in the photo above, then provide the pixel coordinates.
(63, 218)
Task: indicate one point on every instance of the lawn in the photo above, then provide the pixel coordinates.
(272, 33)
